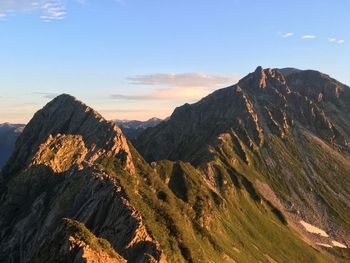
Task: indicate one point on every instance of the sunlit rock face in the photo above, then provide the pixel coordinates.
(68, 116)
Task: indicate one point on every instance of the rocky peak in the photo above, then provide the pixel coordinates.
(65, 115)
(266, 101)
(184, 110)
(262, 78)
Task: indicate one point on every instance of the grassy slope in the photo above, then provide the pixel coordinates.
(299, 167)
(195, 224)
(316, 168)
(77, 230)
(80, 232)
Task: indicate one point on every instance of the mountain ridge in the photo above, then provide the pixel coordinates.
(9, 132)
(57, 160)
(65, 114)
(257, 82)
(267, 128)
(232, 191)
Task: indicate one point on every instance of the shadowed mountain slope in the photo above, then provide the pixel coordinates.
(8, 136)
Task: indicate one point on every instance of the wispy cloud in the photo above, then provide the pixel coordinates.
(46, 95)
(183, 80)
(177, 87)
(334, 40)
(47, 10)
(168, 94)
(53, 11)
(289, 34)
(308, 37)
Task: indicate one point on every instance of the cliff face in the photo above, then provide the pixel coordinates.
(247, 164)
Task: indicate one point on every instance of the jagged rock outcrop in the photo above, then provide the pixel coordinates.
(73, 242)
(61, 152)
(66, 115)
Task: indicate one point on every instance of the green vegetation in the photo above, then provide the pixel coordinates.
(80, 232)
(55, 248)
(195, 223)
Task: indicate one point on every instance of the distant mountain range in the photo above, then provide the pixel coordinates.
(132, 129)
(255, 172)
(8, 136)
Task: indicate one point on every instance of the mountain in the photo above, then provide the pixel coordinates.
(8, 136)
(53, 187)
(219, 184)
(10, 132)
(286, 131)
(132, 129)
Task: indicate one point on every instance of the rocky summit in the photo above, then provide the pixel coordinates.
(255, 172)
(56, 172)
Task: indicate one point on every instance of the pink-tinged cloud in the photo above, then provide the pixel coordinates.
(177, 87)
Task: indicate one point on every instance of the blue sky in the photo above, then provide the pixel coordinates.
(134, 59)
